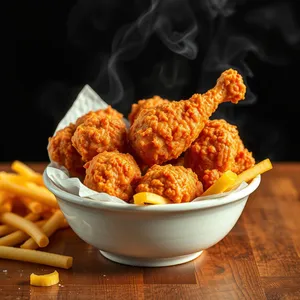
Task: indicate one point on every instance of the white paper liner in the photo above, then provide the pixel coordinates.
(86, 101)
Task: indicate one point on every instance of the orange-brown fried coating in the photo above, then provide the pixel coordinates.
(99, 133)
(113, 173)
(176, 162)
(61, 151)
(164, 132)
(109, 112)
(176, 183)
(144, 103)
(217, 149)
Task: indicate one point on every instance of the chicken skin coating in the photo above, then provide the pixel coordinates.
(97, 134)
(217, 149)
(108, 112)
(164, 132)
(176, 183)
(144, 103)
(176, 162)
(113, 173)
(62, 151)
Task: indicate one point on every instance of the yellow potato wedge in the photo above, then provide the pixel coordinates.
(251, 173)
(44, 280)
(149, 198)
(222, 184)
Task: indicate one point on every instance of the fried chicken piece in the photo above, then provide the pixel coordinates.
(176, 183)
(162, 133)
(108, 112)
(144, 103)
(113, 173)
(62, 151)
(97, 134)
(217, 149)
(176, 162)
(210, 177)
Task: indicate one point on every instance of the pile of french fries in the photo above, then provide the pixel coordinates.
(29, 215)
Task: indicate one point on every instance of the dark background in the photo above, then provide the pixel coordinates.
(128, 50)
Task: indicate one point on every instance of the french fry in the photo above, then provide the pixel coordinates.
(44, 280)
(6, 206)
(17, 237)
(12, 177)
(6, 229)
(27, 172)
(149, 198)
(27, 226)
(227, 179)
(26, 188)
(2, 197)
(38, 257)
(29, 190)
(53, 224)
(33, 206)
(251, 173)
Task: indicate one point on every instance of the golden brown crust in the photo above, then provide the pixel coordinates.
(176, 162)
(99, 133)
(144, 103)
(108, 112)
(62, 151)
(113, 173)
(176, 183)
(217, 149)
(210, 177)
(162, 133)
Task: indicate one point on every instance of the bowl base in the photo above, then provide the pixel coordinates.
(150, 262)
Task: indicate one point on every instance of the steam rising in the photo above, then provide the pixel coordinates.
(176, 47)
(172, 21)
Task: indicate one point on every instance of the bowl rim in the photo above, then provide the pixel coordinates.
(176, 207)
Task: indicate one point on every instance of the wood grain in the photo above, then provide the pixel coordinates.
(259, 259)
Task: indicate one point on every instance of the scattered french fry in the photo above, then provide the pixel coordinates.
(2, 197)
(47, 213)
(17, 237)
(33, 206)
(29, 190)
(6, 206)
(27, 172)
(53, 224)
(27, 226)
(149, 198)
(34, 256)
(251, 173)
(6, 229)
(12, 177)
(25, 189)
(44, 280)
(226, 180)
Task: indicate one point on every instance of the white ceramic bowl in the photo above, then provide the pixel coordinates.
(152, 236)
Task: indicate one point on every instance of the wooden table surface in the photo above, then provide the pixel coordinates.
(259, 259)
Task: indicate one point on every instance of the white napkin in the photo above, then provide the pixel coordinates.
(86, 101)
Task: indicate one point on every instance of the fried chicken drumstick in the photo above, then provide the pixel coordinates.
(164, 132)
(217, 149)
(145, 103)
